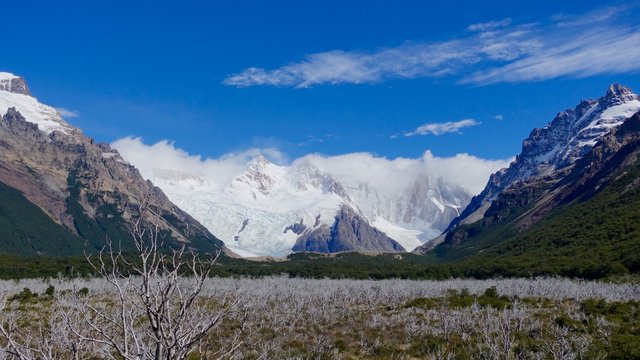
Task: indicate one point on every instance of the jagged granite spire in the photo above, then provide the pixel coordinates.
(619, 91)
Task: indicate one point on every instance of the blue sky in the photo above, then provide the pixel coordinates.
(393, 78)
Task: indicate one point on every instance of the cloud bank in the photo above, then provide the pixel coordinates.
(386, 175)
(605, 40)
(162, 157)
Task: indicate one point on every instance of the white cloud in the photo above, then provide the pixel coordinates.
(499, 117)
(386, 175)
(405, 61)
(595, 52)
(442, 128)
(311, 139)
(390, 176)
(601, 41)
(591, 17)
(164, 156)
(467, 171)
(490, 25)
(67, 113)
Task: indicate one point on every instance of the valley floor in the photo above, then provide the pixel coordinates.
(289, 318)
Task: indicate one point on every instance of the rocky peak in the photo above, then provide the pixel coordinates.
(555, 148)
(261, 174)
(261, 165)
(13, 84)
(350, 232)
(14, 93)
(574, 131)
(308, 176)
(259, 162)
(619, 92)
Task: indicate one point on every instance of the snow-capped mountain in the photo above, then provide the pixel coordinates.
(77, 191)
(15, 93)
(266, 208)
(553, 150)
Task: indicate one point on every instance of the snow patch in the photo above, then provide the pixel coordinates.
(46, 117)
(622, 111)
(409, 239)
(6, 77)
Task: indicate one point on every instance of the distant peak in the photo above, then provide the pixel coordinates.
(618, 91)
(14, 84)
(259, 162)
(260, 165)
(260, 159)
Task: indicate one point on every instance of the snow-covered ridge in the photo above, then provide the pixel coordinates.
(556, 147)
(572, 133)
(258, 207)
(264, 209)
(46, 117)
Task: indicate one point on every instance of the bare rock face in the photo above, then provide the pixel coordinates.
(349, 232)
(85, 186)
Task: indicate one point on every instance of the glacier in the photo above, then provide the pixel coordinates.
(257, 212)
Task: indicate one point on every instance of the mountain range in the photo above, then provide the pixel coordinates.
(272, 210)
(572, 190)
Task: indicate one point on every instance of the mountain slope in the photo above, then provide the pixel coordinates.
(583, 222)
(23, 225)
(82, 186)
(549, 154)
(553, 150)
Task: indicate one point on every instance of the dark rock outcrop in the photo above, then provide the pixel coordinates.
(349, 232)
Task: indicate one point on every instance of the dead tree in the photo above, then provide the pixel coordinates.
(159, 310)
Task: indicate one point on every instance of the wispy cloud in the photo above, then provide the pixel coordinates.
(499, 117)
(67, 113)
(604, 40)
(311, 139)
(442, 128)
(489, 25)
(591, 17)
(590, 53)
